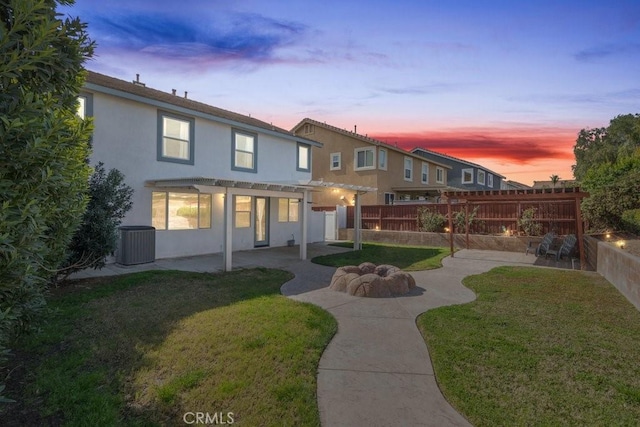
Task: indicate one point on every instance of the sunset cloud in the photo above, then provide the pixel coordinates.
(517, 146)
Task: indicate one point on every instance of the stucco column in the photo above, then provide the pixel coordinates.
(228, 231)
(357, 224)
(305, 220)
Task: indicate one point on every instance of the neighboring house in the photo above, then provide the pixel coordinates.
(464, 175)
(560, 184)
(208, 180)
(514, 185)
(347, 158)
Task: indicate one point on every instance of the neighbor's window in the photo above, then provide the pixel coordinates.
(243, 211)
(467, 176)
(304, 158)
(481, 177)
(175, 138)
(180, 211)
(364, 158)
(382, 159)
(244, 151)
(389, 198)
(336, 161)
(490, 180)
(439, 175)
(408, 169)
(288, 210)
(424, 177)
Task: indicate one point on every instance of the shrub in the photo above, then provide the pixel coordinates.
(631, 220)
(97, 237)
(430, 220)
(528, 222)
(460, 220)
(188, 211)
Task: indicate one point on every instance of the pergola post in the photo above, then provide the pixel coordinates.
(450, 213)
(357, 224)
(580, 235)
(303, 231)
(466, 223)
(228, 230)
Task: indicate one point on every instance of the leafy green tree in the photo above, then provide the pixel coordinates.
(614, 188)
(43, 152)
(97, 236)
(554, 180)
(605, 145)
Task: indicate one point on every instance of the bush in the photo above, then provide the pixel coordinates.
(97, 237)
(460, 220)
(631, 221)
(188, 212)
(43, 152)
(528, 223)
(430, 220)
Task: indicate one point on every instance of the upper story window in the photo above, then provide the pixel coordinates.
(382, 158)
(490, 180)
(424, 177)
(439, 175)
(408, 169)
(304, 158)
(85, 105)
(176, 137)
(467, 176)
(336, 161)
(245, 151)
(364, 159)
(481, 177)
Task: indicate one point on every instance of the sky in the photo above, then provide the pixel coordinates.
(507, 84)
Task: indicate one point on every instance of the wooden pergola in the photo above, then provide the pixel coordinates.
(523, 196)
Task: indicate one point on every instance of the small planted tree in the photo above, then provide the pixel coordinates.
(97, 237)
(460, 219)
(430, 220)
(529, 223)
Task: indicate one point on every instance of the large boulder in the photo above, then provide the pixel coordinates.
(369, 280)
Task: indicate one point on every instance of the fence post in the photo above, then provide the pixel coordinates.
(450, 224)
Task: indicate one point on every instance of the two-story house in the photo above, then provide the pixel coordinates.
(464, 175)
(209, 180)
(349, 158)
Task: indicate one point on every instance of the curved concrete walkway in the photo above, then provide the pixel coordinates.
(376, 371)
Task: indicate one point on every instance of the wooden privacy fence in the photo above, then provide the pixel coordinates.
(493, 216)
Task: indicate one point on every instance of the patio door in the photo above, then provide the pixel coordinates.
(262, 221)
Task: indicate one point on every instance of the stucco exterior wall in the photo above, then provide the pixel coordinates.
(622, 269)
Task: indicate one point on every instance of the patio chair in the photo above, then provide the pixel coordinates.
(568, 244)
(546, 243)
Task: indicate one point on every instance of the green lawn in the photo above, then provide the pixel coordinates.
(146, 348)
(409, 258)
(538, 347)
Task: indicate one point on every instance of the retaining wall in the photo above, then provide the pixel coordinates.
(622, 269)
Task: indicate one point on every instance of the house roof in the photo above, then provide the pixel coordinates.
(446, 156)
(140, 92)
(560, 183)
(363, 138)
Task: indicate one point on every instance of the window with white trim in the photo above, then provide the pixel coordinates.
(175, 138)
(389, 198)
(304, 157)
(382, 159)
(288, 210)
(467, 176)
(243, 211)
(85, 105)
(408, 169)
(481, 177)
(490, 180)
(424, 176)
(180, 211)
(439, 175)
(364, 158)
(336, 161)
(245, 151)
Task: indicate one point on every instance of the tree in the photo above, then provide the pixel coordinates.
(554, 180)
(43, 152)
(605, 145)
(97, 236)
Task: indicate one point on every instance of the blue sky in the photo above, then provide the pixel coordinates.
(507, 84)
